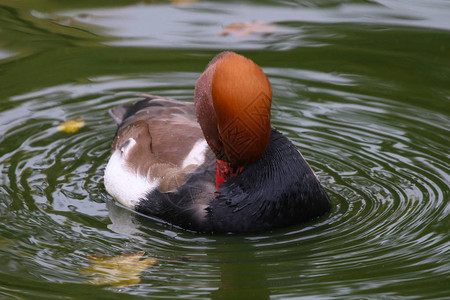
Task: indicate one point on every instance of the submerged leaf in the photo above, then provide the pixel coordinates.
(71, 126)
(243, 29)
(122, 270)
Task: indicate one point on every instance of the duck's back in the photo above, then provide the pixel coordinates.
(159, 149)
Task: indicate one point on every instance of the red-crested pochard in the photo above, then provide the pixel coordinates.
(215, 165)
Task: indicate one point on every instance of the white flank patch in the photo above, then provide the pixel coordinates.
(127, 186)
(124, 184)
(197, 154)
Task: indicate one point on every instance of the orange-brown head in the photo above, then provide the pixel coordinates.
(232, 100)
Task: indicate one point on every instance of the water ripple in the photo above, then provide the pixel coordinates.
(383, 163)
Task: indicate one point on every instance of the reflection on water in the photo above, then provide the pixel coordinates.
(199, 25)
(366, 105)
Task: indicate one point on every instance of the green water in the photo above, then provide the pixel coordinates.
(361, 87)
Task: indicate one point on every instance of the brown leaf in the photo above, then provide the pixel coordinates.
(182, 2)
(243, 29)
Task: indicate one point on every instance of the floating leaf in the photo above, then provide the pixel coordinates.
(122, 270)
(243, 29)
(182, 2)
(175, 2)
(71, 126)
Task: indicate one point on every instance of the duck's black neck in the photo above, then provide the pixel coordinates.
(278, 190)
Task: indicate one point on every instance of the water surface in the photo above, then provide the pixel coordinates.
(361, 87)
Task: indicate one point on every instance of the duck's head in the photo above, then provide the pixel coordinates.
(232, 101)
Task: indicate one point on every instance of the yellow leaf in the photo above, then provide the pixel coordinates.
(71, 126)
(242, 29)
(122, 270)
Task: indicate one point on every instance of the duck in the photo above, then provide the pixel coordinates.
(214, 165)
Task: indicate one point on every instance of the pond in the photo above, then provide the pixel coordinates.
(362, 88)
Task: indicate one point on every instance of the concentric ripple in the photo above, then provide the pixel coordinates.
(384, 164)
